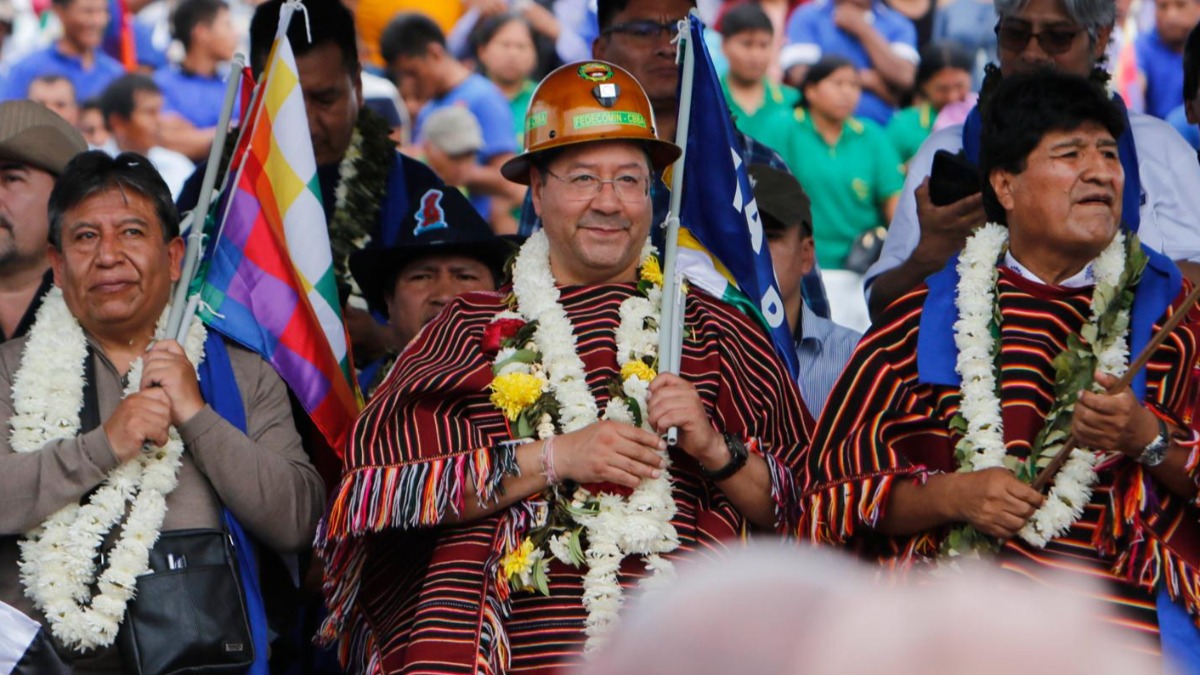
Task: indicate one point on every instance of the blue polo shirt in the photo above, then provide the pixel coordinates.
(50, 61)
(485, 100)
(1163, 73)
(196, 98)
(811, 34)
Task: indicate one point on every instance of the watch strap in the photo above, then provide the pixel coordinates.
(738, 454)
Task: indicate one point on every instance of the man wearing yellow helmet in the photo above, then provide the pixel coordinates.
(508, 479)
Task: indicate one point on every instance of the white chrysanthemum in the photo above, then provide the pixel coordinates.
(559, 548)
(640, 524)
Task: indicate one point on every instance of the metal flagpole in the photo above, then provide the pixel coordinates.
(670, 326)
(176, 318)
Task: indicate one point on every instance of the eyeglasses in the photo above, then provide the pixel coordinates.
(1053, 41)
(583, 187)
(644, 30)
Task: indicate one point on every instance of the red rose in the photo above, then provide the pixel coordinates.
(496, 332)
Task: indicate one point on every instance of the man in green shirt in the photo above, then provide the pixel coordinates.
(761, 108)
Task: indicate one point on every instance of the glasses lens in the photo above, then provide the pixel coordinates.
(1013, 38)
(646, 30)
(630, 188)
(582, 186)
(1057, 41)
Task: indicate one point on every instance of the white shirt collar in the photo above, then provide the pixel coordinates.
(1084, 277)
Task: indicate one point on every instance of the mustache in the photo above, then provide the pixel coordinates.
(608, 222)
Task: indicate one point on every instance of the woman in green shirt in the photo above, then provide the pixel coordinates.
(851, 172)
(507, 56)
(944, 77)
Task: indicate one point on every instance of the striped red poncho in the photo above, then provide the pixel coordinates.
(892, 426)
(407, 595)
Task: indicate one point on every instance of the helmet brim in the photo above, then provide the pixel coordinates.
(662, 154)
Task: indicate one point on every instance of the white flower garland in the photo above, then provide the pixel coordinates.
(982, 446)
(57, 558)
(637, 525)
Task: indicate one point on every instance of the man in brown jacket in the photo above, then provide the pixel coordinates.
(106, 438)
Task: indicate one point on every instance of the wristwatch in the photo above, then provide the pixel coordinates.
(738, 454)
(1154, 453)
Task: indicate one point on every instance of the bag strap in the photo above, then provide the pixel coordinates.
(89, 413)
(220, 390)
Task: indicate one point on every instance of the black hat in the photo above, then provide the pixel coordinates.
(780, 196)
(442, 222)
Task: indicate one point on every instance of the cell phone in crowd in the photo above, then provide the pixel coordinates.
(952, 178)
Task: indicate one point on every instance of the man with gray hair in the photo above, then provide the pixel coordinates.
(35, 145)
(1161, 173)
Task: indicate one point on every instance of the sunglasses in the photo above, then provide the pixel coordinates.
(1054, 41)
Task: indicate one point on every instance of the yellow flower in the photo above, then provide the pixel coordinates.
(637, 369)
(517, 561)
(651, 271)
(515, 392)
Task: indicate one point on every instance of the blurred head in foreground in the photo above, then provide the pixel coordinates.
(770, 611)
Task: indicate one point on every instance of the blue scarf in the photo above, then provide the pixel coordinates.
(1131, 201)
(220, 390)
(937, 355)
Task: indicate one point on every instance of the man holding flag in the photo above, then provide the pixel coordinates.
(111, 437)
(509, 475)
(641, 37)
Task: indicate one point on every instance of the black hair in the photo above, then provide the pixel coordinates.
(542, 161)
(1023, 109)
(54, 78)
(485, 31)
(1191, 64)
(92, 103)
(94, 171)
(329, 21)
(743, 18)
(821, 70)
(409, 34)
(939, 55)
(607, 10)
(192, 13)
(773, 226)
(118, 97)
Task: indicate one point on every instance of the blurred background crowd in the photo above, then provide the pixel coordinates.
(844, 90)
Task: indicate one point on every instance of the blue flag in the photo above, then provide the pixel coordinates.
(723, 249)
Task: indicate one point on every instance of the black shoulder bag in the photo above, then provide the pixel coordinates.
(189, 615)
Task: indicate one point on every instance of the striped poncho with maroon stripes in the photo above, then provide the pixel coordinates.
(408, 595)
(891, 427)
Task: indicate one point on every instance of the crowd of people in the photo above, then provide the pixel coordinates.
(819, 82)
(979, 214)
